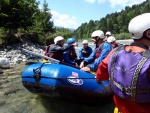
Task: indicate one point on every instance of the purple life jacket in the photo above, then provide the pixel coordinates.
(128, 73)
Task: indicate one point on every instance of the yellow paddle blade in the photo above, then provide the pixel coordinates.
(45, 61)
(94, 73)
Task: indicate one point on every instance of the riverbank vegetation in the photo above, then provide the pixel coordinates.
(116, 23)
(24, 20)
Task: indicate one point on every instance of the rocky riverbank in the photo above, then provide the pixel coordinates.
(13, 55)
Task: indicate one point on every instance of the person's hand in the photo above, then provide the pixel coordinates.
(77, 65)
(81, 64)
(87, 69)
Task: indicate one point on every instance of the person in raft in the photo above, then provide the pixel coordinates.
(99, 53)
(70, 55)
(85, 51)
(108, 34)
(112, 41)
(56, 50)
(128, 69)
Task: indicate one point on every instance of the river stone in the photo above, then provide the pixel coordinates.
(2, 100)
(4, 63)
(1, 71)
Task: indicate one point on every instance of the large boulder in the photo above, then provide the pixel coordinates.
(4, 63)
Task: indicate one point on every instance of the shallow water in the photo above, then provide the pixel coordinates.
(14, 98)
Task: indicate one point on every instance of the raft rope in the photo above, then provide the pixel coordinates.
(37, 75)
(55, 77)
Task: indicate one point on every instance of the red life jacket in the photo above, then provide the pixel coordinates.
(98, 52)
(56, 55)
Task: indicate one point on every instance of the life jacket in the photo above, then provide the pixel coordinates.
(54, 54)
(128, 73)
(98, 52)
(72, 54)
(85, 52)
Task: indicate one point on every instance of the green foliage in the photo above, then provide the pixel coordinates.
(16, 14)
(116, 23)
(41, 23)
(2, 33)
(24, 16)
(123, 36)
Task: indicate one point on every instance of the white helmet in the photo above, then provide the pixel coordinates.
(98, 33)
(85, 42)
(138, 25)
(58, 38)
(108, 33)
(111, 39)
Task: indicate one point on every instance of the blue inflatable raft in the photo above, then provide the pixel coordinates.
(62, 81)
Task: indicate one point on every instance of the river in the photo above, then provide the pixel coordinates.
(14, 98)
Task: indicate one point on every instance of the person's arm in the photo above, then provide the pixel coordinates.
(67, 60)
(105, 49)
(91, 58)
(90, 50)
(102, 72)
(55, 48)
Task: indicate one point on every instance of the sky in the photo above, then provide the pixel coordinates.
(72, 13)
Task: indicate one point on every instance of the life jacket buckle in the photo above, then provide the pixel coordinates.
(127, 90)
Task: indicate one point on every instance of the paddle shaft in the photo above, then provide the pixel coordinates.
(48, 58)
(42, 56)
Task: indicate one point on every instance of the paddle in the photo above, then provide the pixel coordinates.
(51, 60)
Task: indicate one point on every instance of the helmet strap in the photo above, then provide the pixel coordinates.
(98, 42)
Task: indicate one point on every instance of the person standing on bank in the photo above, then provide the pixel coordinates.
(128, 69)
(100, 52)
(56, 50)
(85, 51)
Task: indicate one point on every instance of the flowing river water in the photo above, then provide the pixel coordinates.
(14, 98)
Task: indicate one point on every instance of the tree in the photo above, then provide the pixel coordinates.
(42, 24)
(41, 21)
(15, 14)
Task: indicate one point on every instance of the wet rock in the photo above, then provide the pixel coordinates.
(2, 100)
(1, 71)
(4, 63)
(3, 81)
(15, 55)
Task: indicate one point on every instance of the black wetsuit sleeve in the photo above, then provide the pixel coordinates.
(56, 48)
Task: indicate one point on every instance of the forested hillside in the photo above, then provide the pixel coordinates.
(23, 19)
(117, 22)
